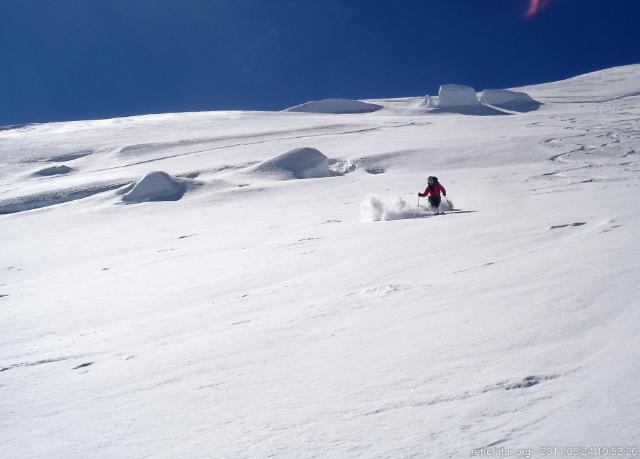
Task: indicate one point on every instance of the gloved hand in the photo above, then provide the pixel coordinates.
(421, 195)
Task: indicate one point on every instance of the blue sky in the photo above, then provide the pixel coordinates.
(81, 59)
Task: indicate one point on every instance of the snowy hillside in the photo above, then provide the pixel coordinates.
(272, 289)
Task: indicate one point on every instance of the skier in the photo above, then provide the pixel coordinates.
(433, 190)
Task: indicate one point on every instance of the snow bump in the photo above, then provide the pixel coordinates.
(335, 106)
(509, 100)
(55, 170)
(453, 95)
(156, 186)
(300, 163)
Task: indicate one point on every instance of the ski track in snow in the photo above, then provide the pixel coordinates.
(156, 148)
(293, 308)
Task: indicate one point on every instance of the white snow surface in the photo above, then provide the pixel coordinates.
(335, 106)
(261, 317)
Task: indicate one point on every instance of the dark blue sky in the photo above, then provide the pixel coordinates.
(79, 59)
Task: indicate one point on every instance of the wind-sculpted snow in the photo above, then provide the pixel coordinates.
(509, 100)
(460, 99)
(69, 156)
(453, 98)
(156, 186)
(453, 95)
(54, 170)
(54, 197)
(335, 106)
(300, 163)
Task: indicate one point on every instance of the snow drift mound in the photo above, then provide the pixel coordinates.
(55, 170)
(299, 163)
(453, 95)
(510, 100)
(336, 106)
(156, 186)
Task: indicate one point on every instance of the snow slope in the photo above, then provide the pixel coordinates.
(257, 317)
(601, 86)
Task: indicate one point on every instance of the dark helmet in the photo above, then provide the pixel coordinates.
(432, 180)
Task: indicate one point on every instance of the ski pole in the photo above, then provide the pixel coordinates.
(418, 200)
(449, 202)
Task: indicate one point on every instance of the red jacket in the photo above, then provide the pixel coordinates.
(434, 190)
